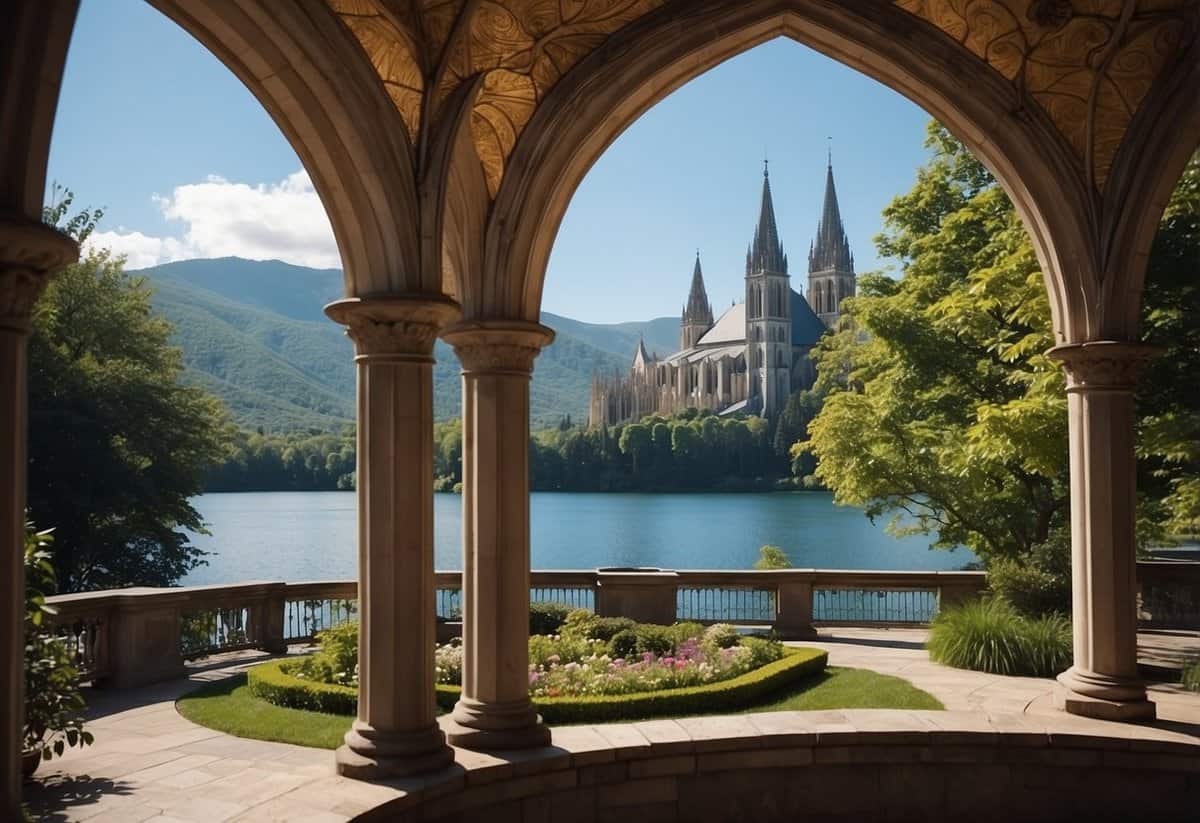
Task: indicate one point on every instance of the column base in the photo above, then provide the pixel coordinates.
(477, 725)
(1103, 697)
(796, 632)
(371, 754)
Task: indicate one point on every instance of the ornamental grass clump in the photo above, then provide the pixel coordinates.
(989, 635)
(1191, 677)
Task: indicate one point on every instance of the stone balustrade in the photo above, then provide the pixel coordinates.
(135, 636)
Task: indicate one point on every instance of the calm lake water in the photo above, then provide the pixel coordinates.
(299, 536)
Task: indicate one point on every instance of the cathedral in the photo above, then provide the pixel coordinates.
(755, 355)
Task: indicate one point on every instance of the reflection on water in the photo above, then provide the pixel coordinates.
(311, 535)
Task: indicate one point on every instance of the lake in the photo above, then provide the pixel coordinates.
(296, 536)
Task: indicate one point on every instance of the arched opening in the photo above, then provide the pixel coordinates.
(1090, 245)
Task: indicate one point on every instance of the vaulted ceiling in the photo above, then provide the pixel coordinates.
(1087, 63)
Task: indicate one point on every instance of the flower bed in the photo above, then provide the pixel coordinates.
(593, 668)
(276, 683)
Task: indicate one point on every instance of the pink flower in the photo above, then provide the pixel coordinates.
(668, 661)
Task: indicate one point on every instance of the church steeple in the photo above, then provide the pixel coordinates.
(697, 312)
(831, 277)
(698, 309)
(831, 249)
(766, 252)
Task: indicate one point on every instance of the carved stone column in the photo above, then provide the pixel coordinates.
(396, 732)
(495, 711)
(1103, 682)
(29, 253)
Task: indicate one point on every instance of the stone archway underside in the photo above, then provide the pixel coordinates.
(1073, 75)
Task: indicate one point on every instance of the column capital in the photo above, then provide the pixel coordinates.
(403, 325)
(498, 346)
(30, 252)
(1102, 365)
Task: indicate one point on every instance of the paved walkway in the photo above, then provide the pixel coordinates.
(150, 764)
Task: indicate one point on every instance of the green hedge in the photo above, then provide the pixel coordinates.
(273, 683)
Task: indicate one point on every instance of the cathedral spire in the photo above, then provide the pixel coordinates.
(766, 252)
(698, 309)
(831, 249)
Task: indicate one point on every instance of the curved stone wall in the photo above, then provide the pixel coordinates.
(846, 765)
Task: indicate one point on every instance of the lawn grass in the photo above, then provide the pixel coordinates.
(840, 688)
(228, 706)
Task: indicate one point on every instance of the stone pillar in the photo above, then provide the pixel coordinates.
(794, 620)
(1103, 682)
(495, 711)
(396, 732)
(29, 253)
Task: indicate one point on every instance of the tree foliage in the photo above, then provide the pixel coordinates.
(1168, 401)
(942, 410)
(117, 444)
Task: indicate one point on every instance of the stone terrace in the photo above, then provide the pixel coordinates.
(1000, 749)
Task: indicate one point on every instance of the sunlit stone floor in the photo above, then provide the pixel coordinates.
(149, 763)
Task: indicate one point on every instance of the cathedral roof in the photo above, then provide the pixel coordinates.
(831, 250)
(807, 328)
(729, 328)
(766, 252)
(698, 309)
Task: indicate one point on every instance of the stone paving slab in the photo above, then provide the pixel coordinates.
(151, 764)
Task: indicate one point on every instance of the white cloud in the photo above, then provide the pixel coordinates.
(268, 221)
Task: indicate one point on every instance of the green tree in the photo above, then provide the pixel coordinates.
(772, 557)
(637, 442)
(118, 445)
(942, 410)
(1168, 402)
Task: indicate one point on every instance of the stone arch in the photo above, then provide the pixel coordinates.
(313, 79)
(606, 91)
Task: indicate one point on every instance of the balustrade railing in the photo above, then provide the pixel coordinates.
(133, 636)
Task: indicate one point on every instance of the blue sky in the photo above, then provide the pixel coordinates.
(187, 163)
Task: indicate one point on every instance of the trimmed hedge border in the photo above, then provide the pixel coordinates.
(275, 684)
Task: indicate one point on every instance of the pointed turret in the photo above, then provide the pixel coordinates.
(766, 252)
(698, 308)
(697, 313)
(831, 249)
(642, 358)
(831, 277)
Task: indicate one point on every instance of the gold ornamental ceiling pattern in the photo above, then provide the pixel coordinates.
(1087, 63)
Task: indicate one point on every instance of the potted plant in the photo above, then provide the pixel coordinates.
(53, 702)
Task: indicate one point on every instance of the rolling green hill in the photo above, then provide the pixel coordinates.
(253, 333)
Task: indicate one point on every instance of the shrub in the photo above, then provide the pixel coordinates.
(1039, 583)
(547, 650)
(582, 623)
(547, 618)
(1191, 677)
(989, 635)
(624, 644)
(337, 661)
(448, 662)
(772, 557)
(53, 703)
(722, 635)
(652, 639)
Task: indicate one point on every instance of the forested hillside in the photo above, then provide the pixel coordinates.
(253, 333)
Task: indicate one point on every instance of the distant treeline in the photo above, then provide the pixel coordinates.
(692, 451)
(302, 462)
